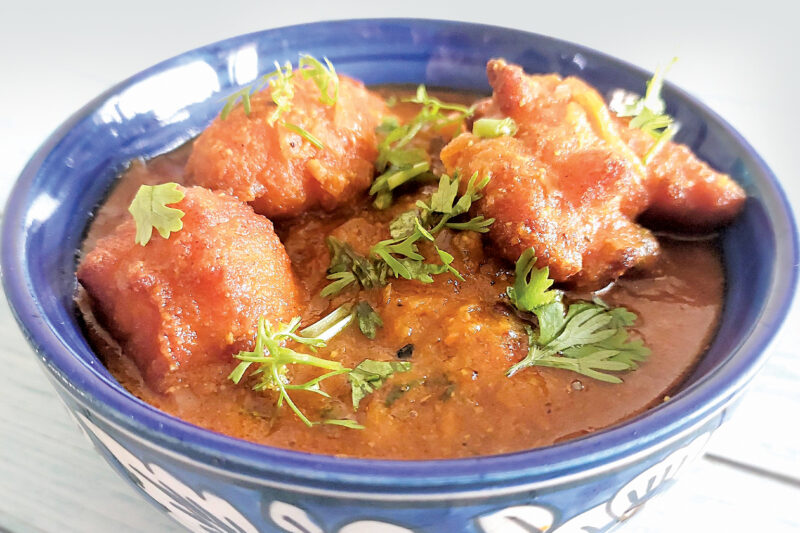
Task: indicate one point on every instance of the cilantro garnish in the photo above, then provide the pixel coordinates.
(488, 128)
(368, 319)
(274, 357)
(370, 375)
(589, 338)
(531, 287)
(149, 210)
(649, 113)
(324, 76)
(281, 90)
(331, 325)
(304, 133)
(400, 256)
(347, 266)
(445, 204)
(279, 82)
(398, 163)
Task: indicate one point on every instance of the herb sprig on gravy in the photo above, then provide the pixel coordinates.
(588, 338)
(273, 359)
(400, 256)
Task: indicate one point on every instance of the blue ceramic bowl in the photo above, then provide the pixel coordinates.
(211, 482)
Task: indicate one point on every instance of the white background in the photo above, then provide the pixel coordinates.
(740, 58)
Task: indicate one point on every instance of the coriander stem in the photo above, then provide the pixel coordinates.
(665, 137)
(399, 177)
(321, 327)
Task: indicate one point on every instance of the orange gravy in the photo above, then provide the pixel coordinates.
(456, 401)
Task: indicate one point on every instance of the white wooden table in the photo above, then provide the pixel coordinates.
(55, 56)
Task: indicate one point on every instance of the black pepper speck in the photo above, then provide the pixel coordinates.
(405, 352)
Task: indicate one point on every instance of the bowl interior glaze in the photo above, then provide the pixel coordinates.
(162, 107)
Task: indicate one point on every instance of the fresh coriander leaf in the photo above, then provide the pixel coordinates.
(627, 352)
(400, 255)
(352, 424)
(423, 272)
(406, 247)
(323, 76)
(652, 97)
(399, 268)
(423, 233)
(531, 287)
(648, 113)
(273, 358)
(281, 90)
(370, 375)
(551, 321)
(305, 134)
(411, 264)
(442, 200)
(279, 82)
(477, 224)
(588, 366)
(342, 255)
(398, 163)
(339, 281)
(621, 317)
(588, 340)
(348, 267)
(447, 260)
(650, 122)
(652, 100)
(489, 128)
(407, 158)
(471, 195)
(663, 138)
(417, 270)
(445, 204)
(433, 106)
(368, 319)
(387, 125)
(404, 225)
(233, 99)
(149, 210)
(587, 326)
(313, 384)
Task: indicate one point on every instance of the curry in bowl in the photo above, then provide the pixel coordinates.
(410, 274)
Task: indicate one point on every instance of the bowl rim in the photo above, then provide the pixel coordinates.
(373, 478)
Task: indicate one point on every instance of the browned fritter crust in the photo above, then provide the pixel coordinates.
(194, 298)
(275, 169)
(571, 182)
(685, 193)
(582, 236)
(561, 185)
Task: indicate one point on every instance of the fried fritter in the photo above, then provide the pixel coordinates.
(278, 171)
(577, 216)
(193, 299)
(685, 193)
(571, 183)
